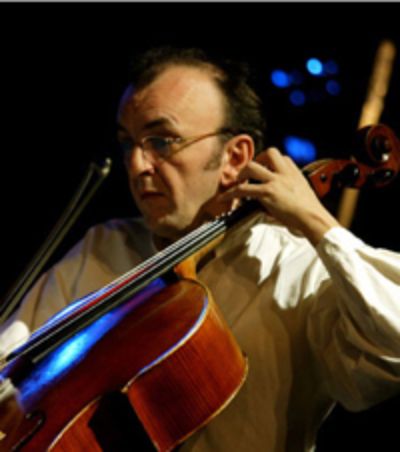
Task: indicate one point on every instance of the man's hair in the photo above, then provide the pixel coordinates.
(243, 106)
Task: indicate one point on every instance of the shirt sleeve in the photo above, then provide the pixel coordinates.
(51, 293)
(354, 323)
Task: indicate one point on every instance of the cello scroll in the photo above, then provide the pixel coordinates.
(376, 167)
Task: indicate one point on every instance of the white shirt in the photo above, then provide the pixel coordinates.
(318, 325)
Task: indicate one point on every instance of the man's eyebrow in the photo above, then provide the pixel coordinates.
(157, 123)
(149, 125)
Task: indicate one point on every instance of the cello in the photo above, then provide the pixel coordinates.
(158, 346)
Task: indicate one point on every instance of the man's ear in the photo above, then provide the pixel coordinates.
(238, 151)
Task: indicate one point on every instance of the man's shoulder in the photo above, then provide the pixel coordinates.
(118, 229)
(119, 226)
(115, 236)
(270, 234)
(265, 229)
(262, 237)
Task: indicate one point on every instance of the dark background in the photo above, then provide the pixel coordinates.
(63, 68)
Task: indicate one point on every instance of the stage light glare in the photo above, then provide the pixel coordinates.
(331, 67)
(333, 87)
(301, 150)
(314, 66)
(297, 98)
(280, 78)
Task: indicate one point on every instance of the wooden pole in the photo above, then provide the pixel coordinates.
(370, 114)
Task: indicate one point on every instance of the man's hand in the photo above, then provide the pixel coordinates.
(285, 194)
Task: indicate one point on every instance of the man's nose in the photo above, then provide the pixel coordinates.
(140, 161)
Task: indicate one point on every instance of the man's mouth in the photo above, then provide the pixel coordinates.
(149, 194)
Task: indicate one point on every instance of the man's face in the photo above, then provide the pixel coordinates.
(172, 194)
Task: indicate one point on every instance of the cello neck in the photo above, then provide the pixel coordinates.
(90, 308)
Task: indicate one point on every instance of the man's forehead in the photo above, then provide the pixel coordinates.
(176, 89)
(178, 80)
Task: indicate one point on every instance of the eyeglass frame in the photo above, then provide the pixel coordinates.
(169, 141)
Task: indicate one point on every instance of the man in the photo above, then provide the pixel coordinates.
(314, 308)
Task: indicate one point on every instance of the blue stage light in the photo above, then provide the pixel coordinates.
(333, 87)
(297, 98)
(280, 78)
(331, 67)
(314, 66)
(301, 150)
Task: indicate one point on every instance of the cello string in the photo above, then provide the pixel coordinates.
(86, 312)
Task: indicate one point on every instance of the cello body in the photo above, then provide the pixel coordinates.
(165, 357)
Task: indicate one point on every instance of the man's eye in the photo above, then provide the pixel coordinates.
(158, 144)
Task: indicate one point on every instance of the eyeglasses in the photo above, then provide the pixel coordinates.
(165, 147)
